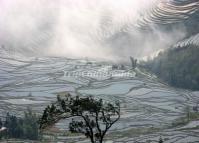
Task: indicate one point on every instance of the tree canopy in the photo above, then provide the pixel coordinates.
(20, 127)
(91, 117)
(178, 67)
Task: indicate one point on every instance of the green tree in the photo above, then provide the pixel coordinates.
(19, 129)
(177, 66)
(30, 126)
(1, 125)
(25, 128)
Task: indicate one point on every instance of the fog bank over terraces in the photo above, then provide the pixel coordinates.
(106, 29)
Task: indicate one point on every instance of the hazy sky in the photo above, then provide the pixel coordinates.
(103, 29)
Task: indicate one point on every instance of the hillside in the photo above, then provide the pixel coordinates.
(178, 67)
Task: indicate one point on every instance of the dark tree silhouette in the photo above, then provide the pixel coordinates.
(160, 140)
(91, 117)
(176, 66)
(133, 62)
(20, 127)
(1, 123)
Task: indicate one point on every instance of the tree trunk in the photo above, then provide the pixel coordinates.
(92, 140)
(101, 139)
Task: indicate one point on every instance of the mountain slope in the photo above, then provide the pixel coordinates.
(177, 66)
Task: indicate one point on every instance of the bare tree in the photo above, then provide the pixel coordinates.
(133, 62)
(91, 117)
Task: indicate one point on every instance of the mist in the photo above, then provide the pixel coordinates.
(105, 29)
